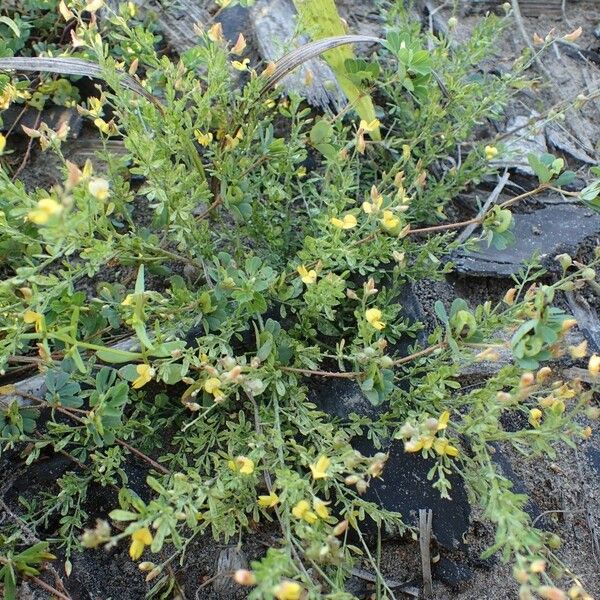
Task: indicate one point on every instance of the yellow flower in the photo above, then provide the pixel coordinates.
(139, 540)
(2, 143)
(128, 300)
(594, 364)
(348, 222)
(46, 208)
(307, 276)
(240, 45)
(443, 420)
(269, 70)
(102, 125)
(375, 204)
(145, 374)
(232, 142)
(204, 139)
(98, 188)
(30, 316)
(578, 351)
(288, 590)
(413, 445)
(490, 152)
(240, 66)
(215, 33)
(442, 447)
(373, 317)
(242, 464)
(535, 417)
(319, 469)
(301, 172)
(302, 511)
(427, 441)
(213, 386)
(268, 501)
(390, 222)
(320, 507)
(369, 127)
(571, 37)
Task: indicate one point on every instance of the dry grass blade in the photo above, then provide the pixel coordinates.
(71, 66)
(286, 64)
(295, 58)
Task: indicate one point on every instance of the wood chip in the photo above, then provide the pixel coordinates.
(274, 25)
(425, 521)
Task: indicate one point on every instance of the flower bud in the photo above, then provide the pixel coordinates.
(564, 260)
(538, 566)
(504, 397)
(244, 577)
(543, 374)
(509, 297)
(592, 412)
(340, 528)
(551, 593)
(527, 379)
(594, 365)
(153, 574)
(361, 486)
(588, 274)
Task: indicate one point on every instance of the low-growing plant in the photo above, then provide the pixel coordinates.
(247, 246)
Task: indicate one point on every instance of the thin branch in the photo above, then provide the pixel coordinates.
(122, 443)
(484, 209)
(310, 372)
(29, 147)
(46, 586)
(419, 354)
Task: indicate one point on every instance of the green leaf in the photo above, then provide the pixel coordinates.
(12, 25)
(139, 282)
(542, 172)
(129, 372)
(113, 355)
(123, 515)
(265, 350)
(327, 150)
(321, 132)
(565, 178)
(440, 311)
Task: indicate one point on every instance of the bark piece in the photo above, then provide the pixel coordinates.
(587, 319)
(275, 26)
(228, 562)
(550, 231)
(561, 141)
(521, 141)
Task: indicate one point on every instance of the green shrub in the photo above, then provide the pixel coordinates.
(281, 240)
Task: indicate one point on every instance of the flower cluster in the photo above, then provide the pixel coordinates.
(424, 436)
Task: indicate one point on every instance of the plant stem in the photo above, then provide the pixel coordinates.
(339, 374)
(419, 354)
